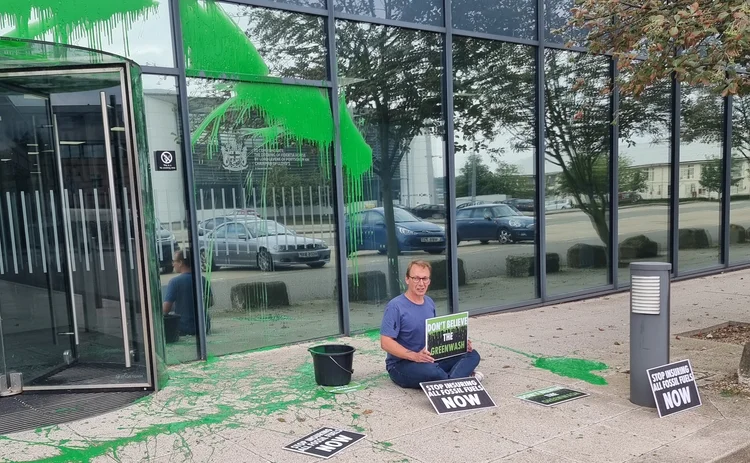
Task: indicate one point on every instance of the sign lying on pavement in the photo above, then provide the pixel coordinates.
(447, 336)
(674, 387)
(457, 395)
(325, 442)
(552, 396)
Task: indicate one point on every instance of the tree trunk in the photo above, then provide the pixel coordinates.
(598, 216)
(743, 374)
(394, 276)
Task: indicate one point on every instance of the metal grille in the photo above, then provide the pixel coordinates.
(30, 411)
(645, 294)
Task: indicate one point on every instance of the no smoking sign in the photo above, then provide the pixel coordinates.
(165, 160)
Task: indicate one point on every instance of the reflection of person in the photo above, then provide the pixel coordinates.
(179, 296)
(402, 336)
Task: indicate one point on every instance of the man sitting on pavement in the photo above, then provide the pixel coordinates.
(402, 336)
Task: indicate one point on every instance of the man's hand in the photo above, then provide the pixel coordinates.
(423, 356)
(469, 349)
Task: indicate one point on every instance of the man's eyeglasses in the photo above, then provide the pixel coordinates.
(418, 279)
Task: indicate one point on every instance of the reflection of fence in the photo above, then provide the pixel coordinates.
(306, 210)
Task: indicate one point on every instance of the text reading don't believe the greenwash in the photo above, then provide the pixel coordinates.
(447, 336)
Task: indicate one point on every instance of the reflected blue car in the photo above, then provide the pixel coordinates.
(366, 231)
(493, 222)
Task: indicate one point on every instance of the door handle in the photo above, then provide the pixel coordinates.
(115, 228)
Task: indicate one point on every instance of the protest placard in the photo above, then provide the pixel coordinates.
(447, 335)
(325, 442)
(674, 388)
(457, 395)
(552, 396)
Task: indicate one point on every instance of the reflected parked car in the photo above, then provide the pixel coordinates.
(208, 225)
(523, 205)
(368, 229)
(264, 244)
(429, 211)
(493, 222)
(470, 203)
(558, 204)
(627, 197)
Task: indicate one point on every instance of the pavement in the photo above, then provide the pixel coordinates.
(247, 407)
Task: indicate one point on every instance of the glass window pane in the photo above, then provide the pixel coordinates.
(739, 244)
(142, 33)
(265, 163)
(310, 3)
(253, 41)
(392, 146)
(516, 18)
(701, 173)
(556, 16)
(577, 170)
(161, 100)
(422, 11)
(495, 143)
(644, 178)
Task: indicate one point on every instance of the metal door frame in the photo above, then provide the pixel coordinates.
(139, 238)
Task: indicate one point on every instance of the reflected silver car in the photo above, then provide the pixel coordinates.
(264, 244)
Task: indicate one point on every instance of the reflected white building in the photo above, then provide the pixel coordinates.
(417, 171)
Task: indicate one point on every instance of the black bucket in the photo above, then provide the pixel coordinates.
(333, 364)
(171, 327)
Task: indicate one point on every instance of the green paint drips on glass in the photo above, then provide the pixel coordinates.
(293, 115)
(71, 20)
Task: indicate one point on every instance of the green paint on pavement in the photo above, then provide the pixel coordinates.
(573, 368)
(565, 366)
(372, 335)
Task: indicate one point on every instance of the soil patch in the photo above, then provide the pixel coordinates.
(731, 332)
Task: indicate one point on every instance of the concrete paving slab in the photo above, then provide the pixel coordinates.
(219, 452)
(706, 444)
(454, 442)
(599, 443)
(246, 407)
(646, 423)
(533, 456)
(531, 424)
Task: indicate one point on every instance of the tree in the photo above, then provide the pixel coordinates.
(712, 173)
(630, 178)
(505, 179)
(701, 42)
(486, 180)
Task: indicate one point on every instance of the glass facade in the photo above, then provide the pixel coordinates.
(322, 145)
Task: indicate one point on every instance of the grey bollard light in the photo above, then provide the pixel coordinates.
(649, 326)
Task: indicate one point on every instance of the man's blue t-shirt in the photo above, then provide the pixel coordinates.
(404, 321)
(180, 293)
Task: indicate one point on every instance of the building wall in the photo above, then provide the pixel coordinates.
(260, 74)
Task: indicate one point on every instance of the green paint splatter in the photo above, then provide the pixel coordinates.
(565, 366)
(72, 20)
(573, 368)
(292, 114)
(372, 335)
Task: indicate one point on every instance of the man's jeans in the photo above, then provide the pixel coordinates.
(409, 374)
